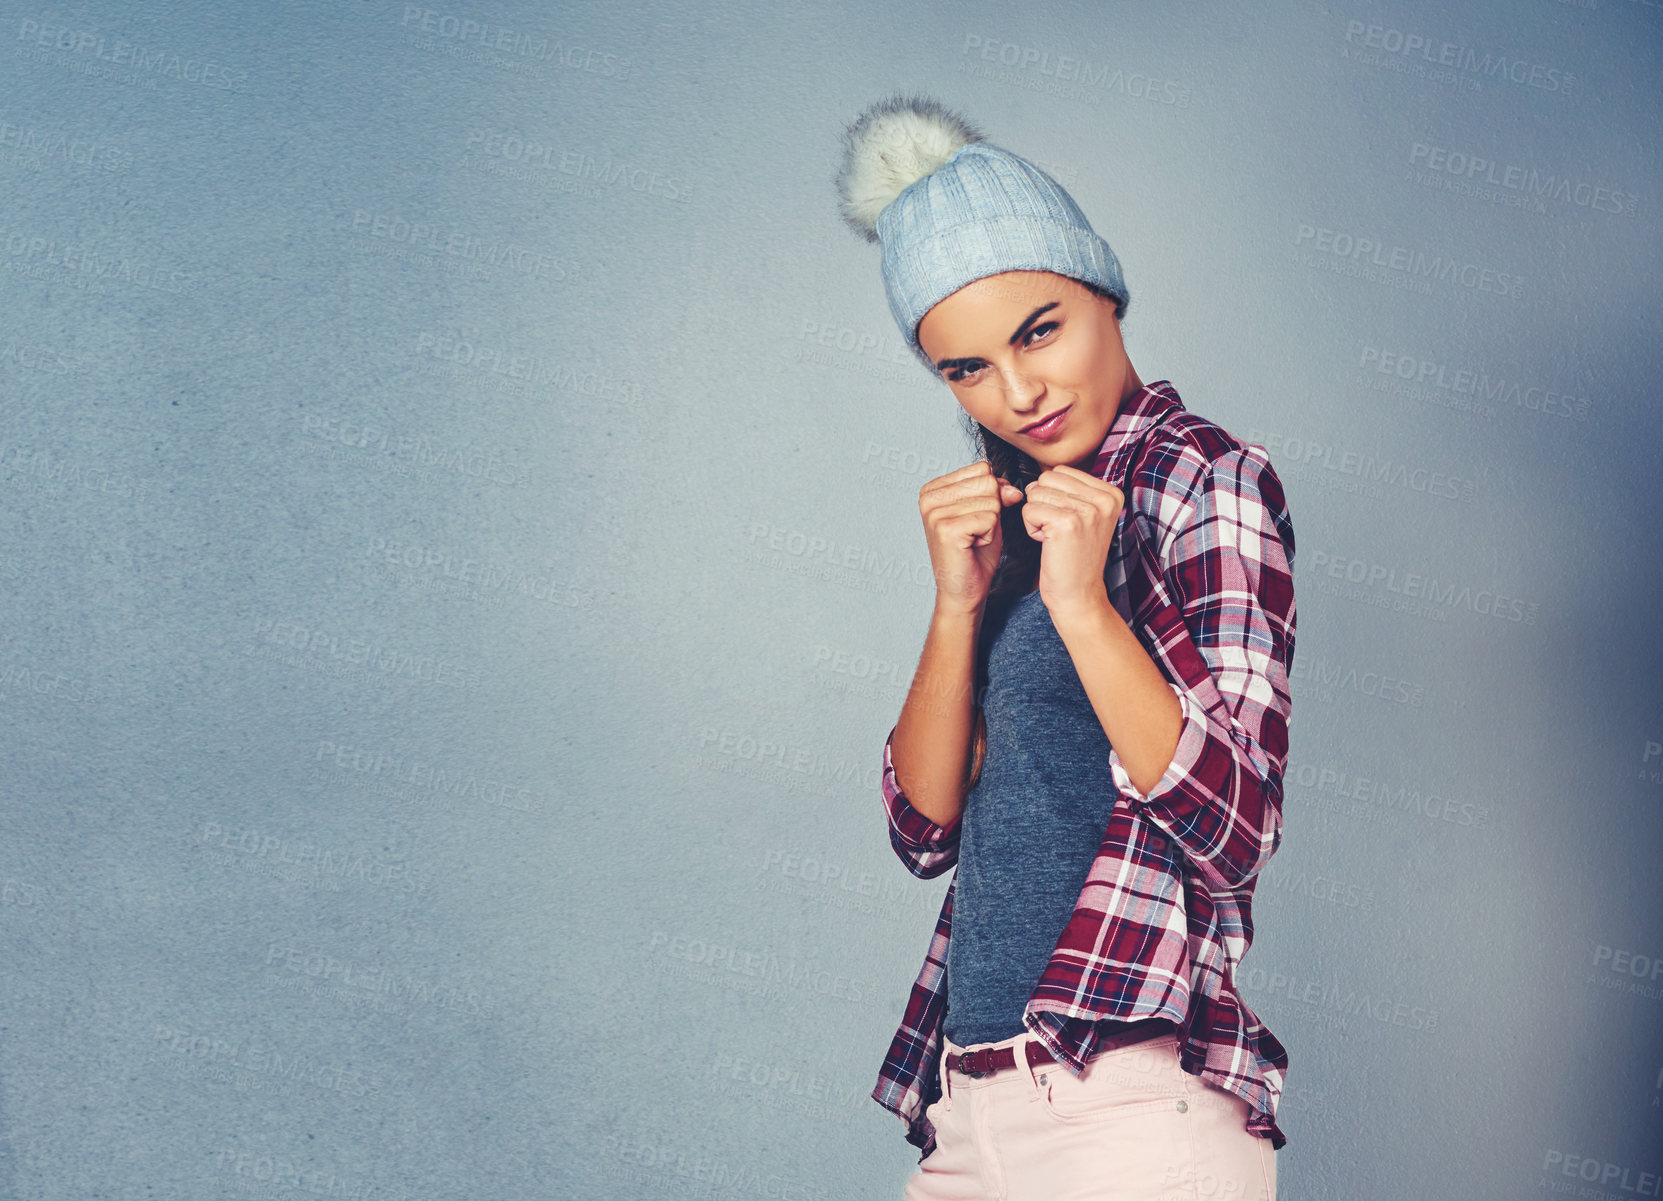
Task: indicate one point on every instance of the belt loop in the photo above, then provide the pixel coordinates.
(1034, 1069)
(946, 1074)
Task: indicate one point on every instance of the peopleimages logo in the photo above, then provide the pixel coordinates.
(1308, 452)
(1481, 385)
(118, 51)
(1412, 585)
(514, 43)
(1527, 181)
(1413, 264)
(1066, 75)
(34, 143)
(1457, 57)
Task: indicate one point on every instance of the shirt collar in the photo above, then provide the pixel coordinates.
(1148, 406)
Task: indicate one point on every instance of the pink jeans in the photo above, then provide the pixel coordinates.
(1134, 1127)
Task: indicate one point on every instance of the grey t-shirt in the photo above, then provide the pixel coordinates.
(1031, 825)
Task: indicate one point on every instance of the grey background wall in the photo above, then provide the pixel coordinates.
(461, 560)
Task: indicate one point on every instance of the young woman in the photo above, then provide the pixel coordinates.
(1096, 732)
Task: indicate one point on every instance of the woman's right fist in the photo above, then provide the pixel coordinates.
(961, 524)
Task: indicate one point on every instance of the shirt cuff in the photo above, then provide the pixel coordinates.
(1192, 740)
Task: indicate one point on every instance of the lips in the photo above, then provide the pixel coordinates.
(1047, 427)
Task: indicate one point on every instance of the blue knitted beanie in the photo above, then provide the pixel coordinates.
(949, 208)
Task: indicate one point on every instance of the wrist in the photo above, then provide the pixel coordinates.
(956, 614)
(1086, 609)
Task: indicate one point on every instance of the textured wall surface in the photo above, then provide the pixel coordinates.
(461, 558)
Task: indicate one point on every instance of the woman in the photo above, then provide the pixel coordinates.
(1096, 733)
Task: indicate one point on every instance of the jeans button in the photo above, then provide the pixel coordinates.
(1183, 1107)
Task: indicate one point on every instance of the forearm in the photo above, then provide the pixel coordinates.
(930, 750)
(1133, 701)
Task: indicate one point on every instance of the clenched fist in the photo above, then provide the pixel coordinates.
(1073, 515)
(961, 524)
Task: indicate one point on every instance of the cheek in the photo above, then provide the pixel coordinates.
(979, 407)
(969, 407)
(1074, 373)
(1095, 359)
(1094, 370)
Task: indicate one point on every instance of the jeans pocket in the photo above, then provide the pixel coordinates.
(942, 1104)
(1267, 1160)
(1140, 1079)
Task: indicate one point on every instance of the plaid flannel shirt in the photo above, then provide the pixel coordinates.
(1201, 568)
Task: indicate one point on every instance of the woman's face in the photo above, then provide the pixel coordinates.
(1021, 347)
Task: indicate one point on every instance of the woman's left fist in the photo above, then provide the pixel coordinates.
(1073, 515)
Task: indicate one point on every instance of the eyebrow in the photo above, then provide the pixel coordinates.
(944, 364)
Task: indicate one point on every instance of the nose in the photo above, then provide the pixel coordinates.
(1021, 391)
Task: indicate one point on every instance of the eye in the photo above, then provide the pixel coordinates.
(1038, 333)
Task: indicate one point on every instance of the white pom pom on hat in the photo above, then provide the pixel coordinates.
(949, 207)
(890, 147)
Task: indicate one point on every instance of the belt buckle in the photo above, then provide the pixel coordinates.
(975, 1057)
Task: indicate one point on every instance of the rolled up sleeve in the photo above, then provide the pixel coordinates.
(1228, 564)
(926, 848)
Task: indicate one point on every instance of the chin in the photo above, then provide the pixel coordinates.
(1055, 455)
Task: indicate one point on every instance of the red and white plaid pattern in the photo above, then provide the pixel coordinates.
(1201, 568)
